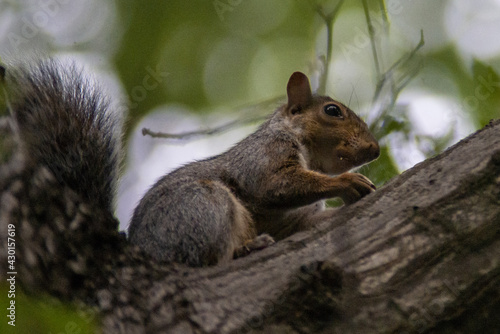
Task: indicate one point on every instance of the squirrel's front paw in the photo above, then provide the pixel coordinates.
(260, 242)
(358, 186)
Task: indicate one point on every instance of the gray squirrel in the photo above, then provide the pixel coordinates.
(266, 187)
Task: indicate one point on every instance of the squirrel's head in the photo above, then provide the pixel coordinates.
(336, 139)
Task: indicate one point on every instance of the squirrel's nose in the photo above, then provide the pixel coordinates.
(374, 150)
(370, 151)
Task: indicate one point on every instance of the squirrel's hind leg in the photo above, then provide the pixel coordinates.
(224, 224)
(197, 222)
(232, 213)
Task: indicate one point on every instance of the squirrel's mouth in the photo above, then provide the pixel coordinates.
(343, 163)
(344, 158)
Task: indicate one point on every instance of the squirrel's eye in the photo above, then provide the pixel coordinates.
(333, 110)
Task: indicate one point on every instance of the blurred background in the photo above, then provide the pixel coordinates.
(423, 74)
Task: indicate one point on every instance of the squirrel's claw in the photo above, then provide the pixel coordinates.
(260, 242)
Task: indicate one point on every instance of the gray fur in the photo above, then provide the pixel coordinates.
(64, 121)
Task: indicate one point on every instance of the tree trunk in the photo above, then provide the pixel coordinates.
(420, 255)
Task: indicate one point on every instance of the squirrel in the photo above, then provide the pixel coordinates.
(268, 186)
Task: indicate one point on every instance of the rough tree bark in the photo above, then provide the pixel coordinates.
(420, 255)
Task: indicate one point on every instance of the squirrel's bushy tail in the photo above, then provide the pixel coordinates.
(65, 123)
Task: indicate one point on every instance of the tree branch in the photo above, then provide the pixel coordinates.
(420, 255)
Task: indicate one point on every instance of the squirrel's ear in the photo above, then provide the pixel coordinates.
(298, 91)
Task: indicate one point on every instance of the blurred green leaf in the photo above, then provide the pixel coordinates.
(484, 99)
(478, 86)
(448, 61)
(43, 315)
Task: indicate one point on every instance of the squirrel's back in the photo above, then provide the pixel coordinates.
(65, 123)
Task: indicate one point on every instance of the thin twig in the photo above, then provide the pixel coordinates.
(383, 13)
(406, 78)
(382, 108)
(371, 32)
(193, 135)
(405, 58)
(329, 20)
(399, 63)
(190, 135)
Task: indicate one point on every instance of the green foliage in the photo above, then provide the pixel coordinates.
(478, 85)
(484, 103)
(43, 315)
(202, 46)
